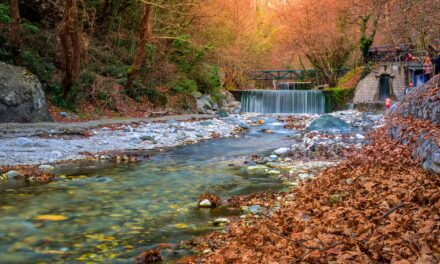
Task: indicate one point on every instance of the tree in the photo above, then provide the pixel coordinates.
(15, 30)
(367, 14)
(71, 46)
(322, 36)
(145, 34)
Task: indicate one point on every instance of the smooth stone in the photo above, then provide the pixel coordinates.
(12, 174)
(258, 170)
(206, 123)
(254, 209)
(304, 176)
(436, 158)
(147, 138)
(281, 151)
(221, 221)
(244, 125)
(207, 251)
(328, 122)
(273, 157)
(205, 203)
(274, 172)
(288, 160)
(360, 137)
(64, 114)
(23, 142)
(46, 168)
(222, 113)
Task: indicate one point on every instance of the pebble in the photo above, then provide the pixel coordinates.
(304, 176)
(64, 114)
(221, 221)
(254, 209)
(205, 203)
(281, 151)
(360, 137)
(274, 172)
(46, 168)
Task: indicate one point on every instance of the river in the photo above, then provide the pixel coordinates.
(108, 212)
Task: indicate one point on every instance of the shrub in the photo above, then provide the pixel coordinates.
(184, 86)
(338, 97)
(37, 65)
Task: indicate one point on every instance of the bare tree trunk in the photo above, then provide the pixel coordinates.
(145, 34)
(15, 31)
(71, 45)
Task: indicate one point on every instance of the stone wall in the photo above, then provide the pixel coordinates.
(367, 90)
(415, 121)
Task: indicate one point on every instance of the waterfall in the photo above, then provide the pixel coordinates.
(283, 101)
(293, 85)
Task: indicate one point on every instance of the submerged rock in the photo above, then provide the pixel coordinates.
(327, 123)
(12, 174)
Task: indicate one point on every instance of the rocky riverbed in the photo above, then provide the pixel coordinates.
(330, 134)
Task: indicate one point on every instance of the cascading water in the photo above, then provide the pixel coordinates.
(283, 101)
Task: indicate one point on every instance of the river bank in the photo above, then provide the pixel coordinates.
(34, 150)
(378, 205)
(378, 201)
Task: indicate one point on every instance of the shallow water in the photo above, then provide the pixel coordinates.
(114, 211)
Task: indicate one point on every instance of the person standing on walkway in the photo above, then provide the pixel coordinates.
(388, 103)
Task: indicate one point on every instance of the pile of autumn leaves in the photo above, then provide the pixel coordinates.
(378, 206)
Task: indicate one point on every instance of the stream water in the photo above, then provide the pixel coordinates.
(111, 212)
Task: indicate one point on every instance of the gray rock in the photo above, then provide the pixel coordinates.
(64, 114)
(359, 137)
(244, 125)
(206, 123)
(273, 157)
(22, 99)
(12, 174)
(254, 209)
(46, 168)
(147, 138)
(24, 142)
(304, 176)
(327, 123)
(205, 203)
(436, 158)
(204, 104)
(222, 113)
(221, 221)
(281, 151)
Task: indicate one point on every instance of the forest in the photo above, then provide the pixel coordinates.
(159, 54)
(220, 131)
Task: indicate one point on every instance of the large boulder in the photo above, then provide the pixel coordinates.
(205, 105)
(327, 123)
(21, 96)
